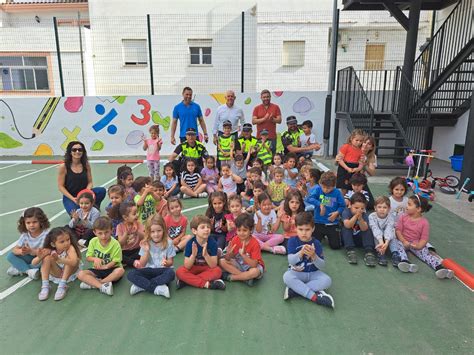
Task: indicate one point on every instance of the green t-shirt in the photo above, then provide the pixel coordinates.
(111, 252)
(147, 209)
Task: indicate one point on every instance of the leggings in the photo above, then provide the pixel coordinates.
(153, 168)
(270, 239)
(149, 278)
(198, 275)
(422, 254)
(306, 283)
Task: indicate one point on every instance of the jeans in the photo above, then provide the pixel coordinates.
(149, 278)
(219, 239)
(363, 238)
(21, 262)
(306, 283)
(99, 192)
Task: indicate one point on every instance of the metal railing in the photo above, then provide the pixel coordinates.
(352, 98)
(379, 85)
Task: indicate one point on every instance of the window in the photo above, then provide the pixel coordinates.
(200, 51)
(293, 53)
(24, 73)
(374, 56)
(135, 52)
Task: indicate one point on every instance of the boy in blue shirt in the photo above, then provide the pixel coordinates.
(328, 205)
(305, 256)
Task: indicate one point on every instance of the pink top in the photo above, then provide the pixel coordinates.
(230, 233)
(132, 231)
(413, 230)
(153, 153)
(162, 207)
(290, 232)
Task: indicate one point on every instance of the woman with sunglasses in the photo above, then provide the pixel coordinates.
(75, 175)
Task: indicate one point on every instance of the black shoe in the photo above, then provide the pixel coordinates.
(289, 293)
(226, 275)
(383, 260)
(180, 284)
(396, 259)
(370, 259)
(351, 256)
(217, 285)
(324, 299)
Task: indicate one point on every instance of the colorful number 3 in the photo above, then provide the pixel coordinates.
(145, 112)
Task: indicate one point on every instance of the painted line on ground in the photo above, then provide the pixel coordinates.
(9, 166)
(23, 176)
(26, 171)
(24, 208)
(60, 213)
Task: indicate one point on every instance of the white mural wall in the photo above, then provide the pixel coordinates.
(114, 126)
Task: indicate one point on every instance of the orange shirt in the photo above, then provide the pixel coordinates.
(351, 154)
(252, 249)
(260, 111)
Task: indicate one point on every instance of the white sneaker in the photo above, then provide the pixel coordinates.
(203, 194)
(404, 266)
(444, 274)
(162, 290)
(85, 286)
(13, 271)
(186, 196)
(82, 243)
(107, 289)
(33, 273)
(134, 289)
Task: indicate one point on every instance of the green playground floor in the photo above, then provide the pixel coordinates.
(377, 310)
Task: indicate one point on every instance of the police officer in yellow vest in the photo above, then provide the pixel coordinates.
(290, 138)
(264, 149)
(225, 142)
(246, 140)
(191, 148)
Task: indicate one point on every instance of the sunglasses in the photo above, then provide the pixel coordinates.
(74, 150)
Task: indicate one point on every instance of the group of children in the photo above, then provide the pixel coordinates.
(250, 201)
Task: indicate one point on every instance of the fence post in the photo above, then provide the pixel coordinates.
(242, 59)
(82, 54)
(152, 84)
(58, 53)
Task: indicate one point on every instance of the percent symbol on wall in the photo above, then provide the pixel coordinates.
(111, 129)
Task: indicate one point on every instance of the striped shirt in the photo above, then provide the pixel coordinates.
(190, 179)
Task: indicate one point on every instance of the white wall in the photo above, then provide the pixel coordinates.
(444, 138)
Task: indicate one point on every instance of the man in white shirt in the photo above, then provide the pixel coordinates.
(228, 112)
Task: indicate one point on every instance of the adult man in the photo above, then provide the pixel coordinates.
(191, 148)
(188, 113)
(266, 116)
(228, 112)
(291, 138)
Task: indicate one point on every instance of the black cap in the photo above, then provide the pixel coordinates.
(291, 120)
(227, 123)
(191, 130)
(247, 127)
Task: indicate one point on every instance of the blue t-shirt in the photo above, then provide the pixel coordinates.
(347, 214)
(168, 183)
(187, 116)
(295, 245)
(211, 250)
(333, 201)
(157, 254)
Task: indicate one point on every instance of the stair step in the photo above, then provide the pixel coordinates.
(383, 156)
(392, 147)
(392, 166)
(384, 130)
(389, 138)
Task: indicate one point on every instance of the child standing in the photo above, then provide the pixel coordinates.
(243, 259)
(235, 208)
(161, 203)
(191, 181)
(145, 198)
(116, 196)
(105, 254)
(152, 146)
(200, 267)
(215, 212)
(155, 267)
(291, 172)
(33, 226)
(328, 205)
(60, 260)
(225, 143)
(176, 224)
(264, 149)
(129, 233)
(291, 207)
(170, 181)
(210, 175)
(305, 256)
(83, 218)
(266, 225)
(228, 181)
(356, 231)
(383, 228)
(350, 154)
(413, 231)
(277, 188)
(126, 180)
(398, 200)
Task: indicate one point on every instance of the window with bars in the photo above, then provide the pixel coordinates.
(24, 73)
(200, 51)
(293, 53)
(135, 52)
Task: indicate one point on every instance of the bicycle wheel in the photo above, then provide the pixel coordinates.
(448, 190)
(452, 181)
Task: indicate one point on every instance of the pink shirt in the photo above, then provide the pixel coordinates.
(153, 153)
(290, 232)
(413, 230)
(134, 240)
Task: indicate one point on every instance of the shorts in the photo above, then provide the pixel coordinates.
(102, 274)
(71, 278)
(245, 267)
(343, 176)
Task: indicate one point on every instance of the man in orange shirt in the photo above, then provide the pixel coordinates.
(266, 116)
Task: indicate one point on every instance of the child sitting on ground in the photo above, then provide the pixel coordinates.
(176, 224)
(228, 181)
(129, 233)
(383, 229)
(83, 218)
(200, 267)
(305, 256)
(243, 259)
(125, 179)
(161, 203)
(145, 198)
(170, 181)
(266, 226)
(398, 201)
(291, 207)
(254, 205)
(254, 175)
(277, 189)
(191, 181)
(291, 172)
(116, 196)
(215, 212)
(235, 209)
(357, 182)
(105, 254)
(210, 175)
(238, 166)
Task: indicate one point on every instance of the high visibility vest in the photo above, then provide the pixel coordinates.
(264, 154)
(249, 143)
(192, 152)
(224, 145)
(293, 137)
